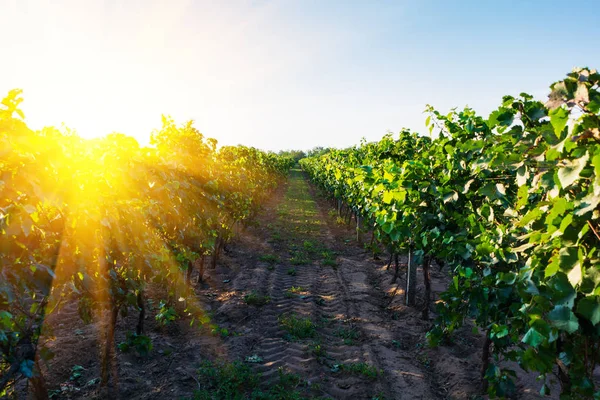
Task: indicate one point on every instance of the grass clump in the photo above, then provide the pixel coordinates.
(349, 335)
(317, 350)
(293, 291)
(360, 368)
(299, 258)
(297, 327)
(256, 299)
(140, 343)
(237, 381)
(309, 246)
(269, 258)
(328, 259)
(225, 381)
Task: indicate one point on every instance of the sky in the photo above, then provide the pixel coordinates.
(288, 74)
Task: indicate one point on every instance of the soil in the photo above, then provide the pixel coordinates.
(299, 242)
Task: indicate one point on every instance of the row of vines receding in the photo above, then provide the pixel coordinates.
(97, 221)
(509, 206)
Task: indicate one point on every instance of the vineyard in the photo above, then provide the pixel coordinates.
(456, 265)
(509, 206)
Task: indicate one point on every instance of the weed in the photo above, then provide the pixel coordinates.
(140, 343)
(233, 381)
(225, 381)
(289, 380)
(299, 258)
(254, 359)
(269, 258)
(328, 262)
(328, 259)
(309, 246)
(256, 299)
(291, 271)
(348, 334)
(276, 236)
(76, 372)
(293, 291)
(326, 320)
(297, 327)
(361, 368)
(317, 350)
(223, 332)
(166, 314)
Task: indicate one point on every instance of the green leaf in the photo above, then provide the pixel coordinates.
(533, 337)
(450, 197)
(388, 197)
(522, 176)
(587, 204)
(26, 368)
(575, 275)
(589, 307)
(387, 227)
(501, 331)
(559, 118)
(569, 174)
(561, 317)
(551, 269)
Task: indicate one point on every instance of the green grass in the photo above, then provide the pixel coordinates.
(140, 343)
(361, 368)
(291, 271)
(349, 335)
(269, 258)
(329, 263)
(236, 381)
(297, 327)
(328, 259)
(309, 246)
(293, 291)
(299, 258)
(317, 350)
(256, 299)
(276, 236)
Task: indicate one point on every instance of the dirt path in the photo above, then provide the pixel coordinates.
(355, 351)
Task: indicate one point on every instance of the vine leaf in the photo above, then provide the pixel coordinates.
(533, 337)
(569, 174)
(562, 317)
(559, 118)
(589, 307)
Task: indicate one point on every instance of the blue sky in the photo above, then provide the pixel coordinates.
(283, 74)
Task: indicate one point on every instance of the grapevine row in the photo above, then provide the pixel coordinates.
(509, 206)
(98, 221)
